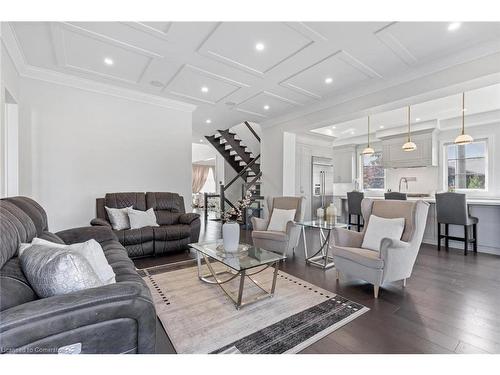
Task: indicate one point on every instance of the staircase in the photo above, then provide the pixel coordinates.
(244, 163)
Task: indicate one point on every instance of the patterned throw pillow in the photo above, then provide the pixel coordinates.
(119, 217)
(55, 271)
(92, 251)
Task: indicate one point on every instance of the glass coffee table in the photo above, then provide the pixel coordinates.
(243, 264)
(321, 257)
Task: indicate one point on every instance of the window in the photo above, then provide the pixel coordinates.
(373, 171)
(466, 166)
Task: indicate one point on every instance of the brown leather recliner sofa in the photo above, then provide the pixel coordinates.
(177, 228)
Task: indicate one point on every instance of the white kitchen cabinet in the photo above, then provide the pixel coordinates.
(344, 165)
(424, 156)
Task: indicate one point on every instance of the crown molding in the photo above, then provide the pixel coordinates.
(46, 75)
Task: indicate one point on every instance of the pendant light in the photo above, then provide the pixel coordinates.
(368, 150)
(409, 145)
(463, 139)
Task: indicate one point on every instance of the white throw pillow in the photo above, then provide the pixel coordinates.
(139, 219)
(379, 228)
(91, 250)
(118, 217)
(279, 219)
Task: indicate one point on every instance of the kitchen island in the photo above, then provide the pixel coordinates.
(486, 209)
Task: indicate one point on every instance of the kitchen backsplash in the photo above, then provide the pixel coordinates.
(427, 179)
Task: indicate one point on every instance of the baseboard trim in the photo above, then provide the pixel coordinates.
(460, 245)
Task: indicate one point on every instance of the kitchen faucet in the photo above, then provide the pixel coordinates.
(406, 183)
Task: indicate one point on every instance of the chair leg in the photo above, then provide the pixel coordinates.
(404, 283)
(375, 291)
(439, 236)
(474, 233)
(446, 240)
(466, 239)
(359, 222)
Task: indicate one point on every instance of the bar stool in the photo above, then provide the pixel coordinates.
(452, 209)
(394, 195)
(354, 199)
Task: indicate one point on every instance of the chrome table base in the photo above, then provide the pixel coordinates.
(322, 257)
(213, 278)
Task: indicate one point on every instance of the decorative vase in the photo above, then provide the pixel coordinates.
(231, 236)
(320, 213)
(331, 213)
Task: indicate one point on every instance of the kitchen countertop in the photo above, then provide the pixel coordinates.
(494, 201)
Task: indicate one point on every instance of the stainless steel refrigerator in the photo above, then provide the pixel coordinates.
(322, 184)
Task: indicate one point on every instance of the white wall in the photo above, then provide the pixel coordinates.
(289, 152)
(272, 162)
(9, 85)
(78, 145)
(202, 153)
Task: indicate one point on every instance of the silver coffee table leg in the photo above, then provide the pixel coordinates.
(305, 241)
(240, 290)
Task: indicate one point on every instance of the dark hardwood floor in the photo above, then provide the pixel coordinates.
(450, 304)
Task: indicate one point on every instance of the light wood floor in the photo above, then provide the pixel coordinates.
(450, 305)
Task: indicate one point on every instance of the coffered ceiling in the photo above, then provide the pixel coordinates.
(255, 71)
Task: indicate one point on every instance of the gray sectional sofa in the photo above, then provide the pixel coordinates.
(176, 227)
(115, 318)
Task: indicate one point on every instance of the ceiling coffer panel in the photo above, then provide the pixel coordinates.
(202, 86)
(255, 47)
(78, 50)
(332, 73)
(266, 104)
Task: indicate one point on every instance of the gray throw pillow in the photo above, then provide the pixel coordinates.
(55, 271)
(118, 217)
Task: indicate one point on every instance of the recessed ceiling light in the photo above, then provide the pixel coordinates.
(204, 89)
(352, 133)
(328, 80)
(417, 119)
(260, 46)
(201, 140)
(108, 61)
(454, 25)
(381, 126)
(334, 127)
(266, 107)
(208, 121)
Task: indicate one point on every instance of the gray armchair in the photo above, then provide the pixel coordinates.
(396, 257)
(279, 242)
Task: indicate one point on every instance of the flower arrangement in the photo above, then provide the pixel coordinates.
(236, 213)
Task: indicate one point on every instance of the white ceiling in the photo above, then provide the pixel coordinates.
(176, 59)
(486, 99)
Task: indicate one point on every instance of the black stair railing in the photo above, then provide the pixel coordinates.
(250, 165)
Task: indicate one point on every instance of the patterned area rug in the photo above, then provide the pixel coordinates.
(200, 318)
